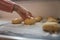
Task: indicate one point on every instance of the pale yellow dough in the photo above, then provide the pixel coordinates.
(51, 27)
(38, 18)
(51, 19)
(29, 21)
(16, 21)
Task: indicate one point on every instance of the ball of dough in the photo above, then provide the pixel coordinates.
(38, 18)
(51, 19)
(29, 21)
(16, 21)
(51, 27)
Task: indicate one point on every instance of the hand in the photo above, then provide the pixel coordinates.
(22, 12)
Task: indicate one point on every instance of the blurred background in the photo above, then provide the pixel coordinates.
(42, 8)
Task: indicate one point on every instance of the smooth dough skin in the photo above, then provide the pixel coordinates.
(38, 18)
(16, 21)
(51, 19)
(29, 21)
(51, 27)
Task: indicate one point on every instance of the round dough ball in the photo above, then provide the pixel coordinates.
(16, 21)
(38, 18)
(51, 27)
(51, 19)
(29, 21)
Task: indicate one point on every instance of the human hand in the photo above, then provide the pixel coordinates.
(22, 12)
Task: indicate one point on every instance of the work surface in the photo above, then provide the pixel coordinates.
(26, 31)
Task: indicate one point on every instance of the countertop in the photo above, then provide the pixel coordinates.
(12, 37)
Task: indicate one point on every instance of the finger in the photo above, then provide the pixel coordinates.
(23, 15)
(29, 14)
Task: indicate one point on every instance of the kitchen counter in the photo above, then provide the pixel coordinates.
(2, 22)
(5, 37)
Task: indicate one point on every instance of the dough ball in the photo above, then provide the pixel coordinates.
(51, 19)
(29, 21)
(38, 18)
(51, 27)
(16, 21)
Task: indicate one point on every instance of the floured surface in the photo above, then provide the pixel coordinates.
(29, 31)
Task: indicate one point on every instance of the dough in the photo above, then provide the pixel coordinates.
(51, 27)
(51, 19)
(38, 18)
(29, 21)
(16, 21)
